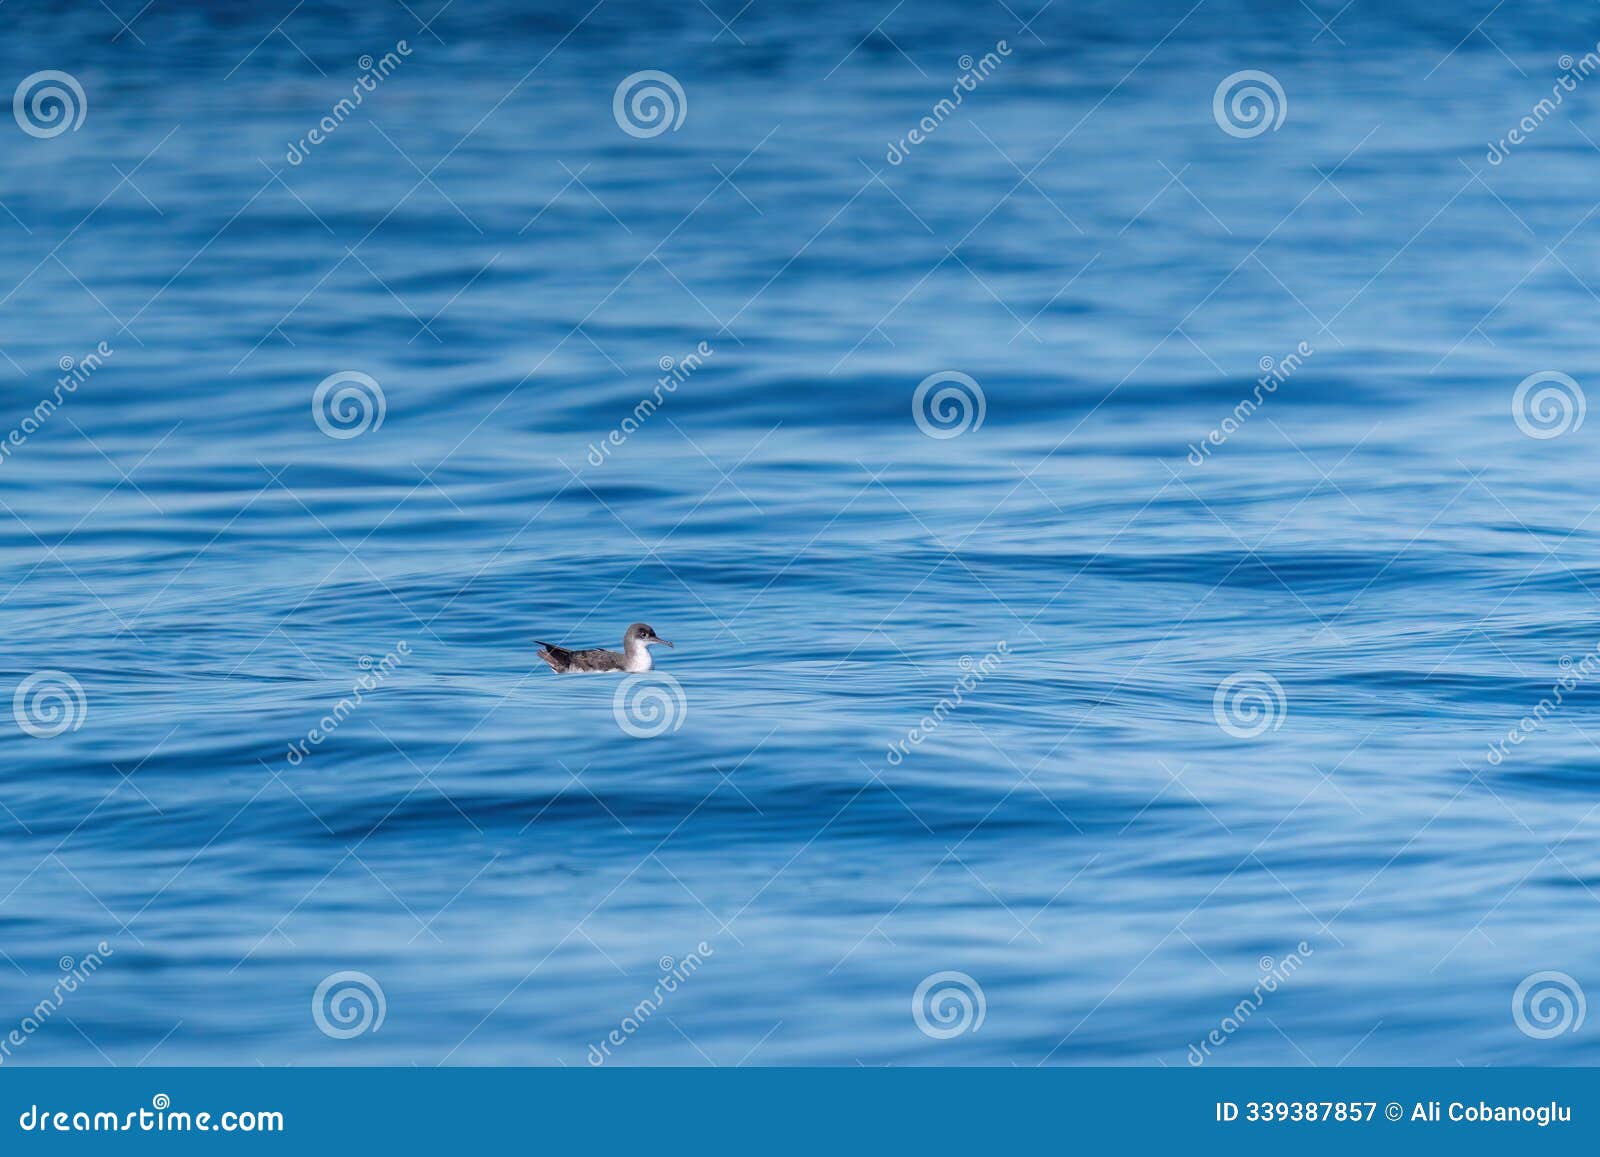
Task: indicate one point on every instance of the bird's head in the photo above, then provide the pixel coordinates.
(642, 635)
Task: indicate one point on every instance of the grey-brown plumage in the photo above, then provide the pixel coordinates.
(634, 656)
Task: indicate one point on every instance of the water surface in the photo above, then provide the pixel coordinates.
(1377, 549)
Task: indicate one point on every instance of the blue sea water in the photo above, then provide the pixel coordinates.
(1378, 557)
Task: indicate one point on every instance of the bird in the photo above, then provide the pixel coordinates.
(634, 656)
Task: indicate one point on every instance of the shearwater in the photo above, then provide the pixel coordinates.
(634, 656)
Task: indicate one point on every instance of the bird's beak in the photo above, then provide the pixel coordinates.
(663, 642)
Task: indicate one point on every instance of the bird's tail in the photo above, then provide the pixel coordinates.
(559, 658)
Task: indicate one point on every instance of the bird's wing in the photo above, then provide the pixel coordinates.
(597, 659)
